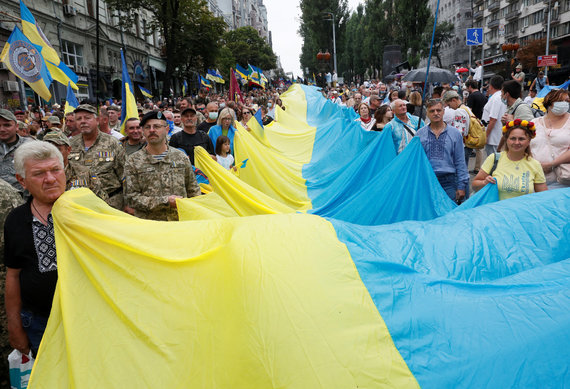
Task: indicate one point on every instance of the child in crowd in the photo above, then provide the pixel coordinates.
(223, 155)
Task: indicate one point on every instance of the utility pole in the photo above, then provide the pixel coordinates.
(334, 39)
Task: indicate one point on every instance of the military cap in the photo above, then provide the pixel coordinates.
(152, 115)
(21, 125)
(7, 115)
(57, 137)
(54, 119)
(87, 108)
(114, 108)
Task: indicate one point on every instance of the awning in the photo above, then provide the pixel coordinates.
(157, 63)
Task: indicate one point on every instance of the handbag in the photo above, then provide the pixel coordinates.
(562, 171)
(20, 369)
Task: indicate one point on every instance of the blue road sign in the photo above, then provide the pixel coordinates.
(474, 36)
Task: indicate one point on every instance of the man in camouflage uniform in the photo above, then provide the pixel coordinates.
(98, 154)
(9, 199)
(158, 174)
(74, 178)
(9, 142)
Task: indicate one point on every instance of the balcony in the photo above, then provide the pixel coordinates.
(554, 18)
(477, 15)
(510, 34)
(494, 6)
(494, 23)
(513, 15)
(478, 2)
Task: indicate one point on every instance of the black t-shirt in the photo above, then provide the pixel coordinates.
(187, 142)
(36, 288)
(476, 101)
(205, 126)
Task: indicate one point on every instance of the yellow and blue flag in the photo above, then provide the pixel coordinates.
(241, 72)
(205, 83)
(24, 59)
(145, 92)
(71, 100)
(215, 76)
(129, 104)
(184, 88)
(59, 71)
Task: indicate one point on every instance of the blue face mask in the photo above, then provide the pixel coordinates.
(269, 105)
(213, 115)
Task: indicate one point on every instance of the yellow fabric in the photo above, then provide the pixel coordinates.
(209, 206)
(538, 103)
(241, 197)
(515, 178)
(207, 304)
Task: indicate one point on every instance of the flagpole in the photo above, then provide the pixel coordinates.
(97, 55)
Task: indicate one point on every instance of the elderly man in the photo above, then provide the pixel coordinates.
(99, 154)
(190, 137)
(519, 75)
(443, 145)
(30, 253)
(104, 123)
(134, 140)
(70, 129)
(172, 128)
(158, 174)
(403, 127)
(9, 143)
(114, 114)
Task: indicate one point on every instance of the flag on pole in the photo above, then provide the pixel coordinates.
(129, 104)
(184, 88)
(23, 59)
(205, 83)
(256, 76)
(235, 92)
(241, 72)
(70, 101)
(59, 71)
(145, 92)
(215, 76)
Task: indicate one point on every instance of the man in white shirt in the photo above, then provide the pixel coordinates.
(492, 114)
(478, 72)
(459, 117)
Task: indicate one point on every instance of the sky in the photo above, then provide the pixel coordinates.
(283, 22)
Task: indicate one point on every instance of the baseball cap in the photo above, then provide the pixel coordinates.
(449, 95)
(7, 115)
(189, 109)
(54, 120)
(57, 137)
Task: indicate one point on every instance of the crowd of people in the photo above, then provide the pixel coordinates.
(145, 164)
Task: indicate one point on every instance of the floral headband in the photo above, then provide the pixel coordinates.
(524, 124)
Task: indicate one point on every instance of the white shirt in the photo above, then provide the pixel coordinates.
(226, 161)
(528, 100)
(478, 76)
(367, 126)
(494, 109)
(457, 118)
(116, 134)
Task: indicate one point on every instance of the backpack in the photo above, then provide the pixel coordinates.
(536, 111)
(476, 137)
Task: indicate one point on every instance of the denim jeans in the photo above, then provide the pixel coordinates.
(34, 325)
(449, 184)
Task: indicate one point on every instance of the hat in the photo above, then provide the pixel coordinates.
(189, 109)
(7, 115)
(451, 94)
(152, 115)
(519, 66)
(20, 112)
(87, 108)
(54, 120)
(21, 125)
(114, 108)
(57, 137)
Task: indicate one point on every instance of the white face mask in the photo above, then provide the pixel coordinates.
(559, 108)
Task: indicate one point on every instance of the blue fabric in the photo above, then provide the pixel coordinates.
(396, 128)
(216, 131)
(446, 154)
(485, 290)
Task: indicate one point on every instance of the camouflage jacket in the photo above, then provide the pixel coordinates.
(103, 161)
(149, 182)
(82, 179)
(10, 198)
(7, 172)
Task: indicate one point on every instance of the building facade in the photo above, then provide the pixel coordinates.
(70, 27)
(241, 13)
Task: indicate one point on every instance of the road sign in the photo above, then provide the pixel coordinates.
(474, 36)
(547, 60)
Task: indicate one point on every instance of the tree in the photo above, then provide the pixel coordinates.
(412, 17)
(190, 31)
(316, 31)
(527, 55)
(443, 33)
(245, 46)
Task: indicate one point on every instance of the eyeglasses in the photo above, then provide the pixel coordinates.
(246, 113)
(154, 127)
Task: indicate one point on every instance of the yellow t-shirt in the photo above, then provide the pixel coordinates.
(514, 178)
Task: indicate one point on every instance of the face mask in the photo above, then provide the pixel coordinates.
(560, 107)
(222, 105)
(269, 104)
(213, 115)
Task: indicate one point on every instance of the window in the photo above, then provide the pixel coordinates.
(537, 17)
(72, 53)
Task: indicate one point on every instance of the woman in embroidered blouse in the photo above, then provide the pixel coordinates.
(516, 173)
(366, 122)
(551, 147)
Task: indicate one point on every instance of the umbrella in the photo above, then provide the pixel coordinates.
(435, 75)
(462, 70)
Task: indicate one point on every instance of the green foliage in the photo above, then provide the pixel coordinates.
(245, 46)
(190, 31)
(316, 31)
(443, 33)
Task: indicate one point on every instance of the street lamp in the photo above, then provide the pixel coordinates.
(548, 33)
(331, 15)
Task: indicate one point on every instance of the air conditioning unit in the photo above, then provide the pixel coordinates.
(523, 29)
(69, 10)
(10, 86)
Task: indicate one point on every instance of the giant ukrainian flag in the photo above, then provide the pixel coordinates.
(338, 265)
(23, 59)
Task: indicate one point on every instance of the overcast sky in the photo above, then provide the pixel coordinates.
(283, 22)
